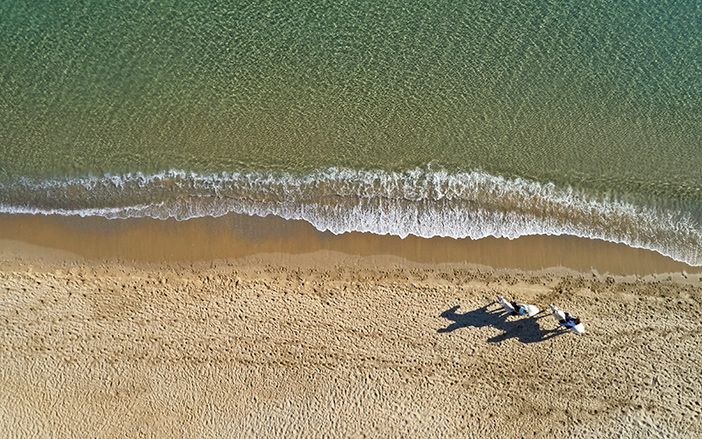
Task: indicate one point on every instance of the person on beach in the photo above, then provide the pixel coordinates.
(517, 309)
(569, 321)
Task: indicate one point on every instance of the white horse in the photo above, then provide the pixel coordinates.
(567, 321)
(522, 309)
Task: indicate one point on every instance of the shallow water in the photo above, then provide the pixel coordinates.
(479, 119)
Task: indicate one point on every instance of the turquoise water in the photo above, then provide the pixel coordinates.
(429, 118)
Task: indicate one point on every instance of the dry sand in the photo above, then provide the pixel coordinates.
(327, 344)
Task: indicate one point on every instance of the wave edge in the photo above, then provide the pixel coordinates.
(422, 202)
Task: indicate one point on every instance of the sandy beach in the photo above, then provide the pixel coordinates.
(328, 343)
(293, 219)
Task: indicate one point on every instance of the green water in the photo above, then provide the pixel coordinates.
(603, 97)
(604, 93)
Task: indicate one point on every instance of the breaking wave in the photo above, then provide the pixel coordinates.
(421, 202)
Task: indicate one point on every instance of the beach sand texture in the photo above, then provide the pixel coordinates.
(291, 219)
(338, 346)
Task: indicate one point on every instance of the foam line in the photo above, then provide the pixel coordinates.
(421, 202)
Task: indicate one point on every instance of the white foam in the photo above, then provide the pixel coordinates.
(421, 202)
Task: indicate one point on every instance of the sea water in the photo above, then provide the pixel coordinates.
(461, 119)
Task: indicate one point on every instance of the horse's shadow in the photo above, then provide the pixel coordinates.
(524, 329)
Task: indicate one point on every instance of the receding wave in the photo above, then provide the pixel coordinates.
(421, 202)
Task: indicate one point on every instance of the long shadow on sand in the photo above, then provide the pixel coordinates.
(524, 329)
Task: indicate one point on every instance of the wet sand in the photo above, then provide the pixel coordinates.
(100, 337)
(236, 236)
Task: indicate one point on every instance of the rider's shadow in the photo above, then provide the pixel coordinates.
(524, 329)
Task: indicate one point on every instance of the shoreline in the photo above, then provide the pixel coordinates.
(238, 236)
(332, 344)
